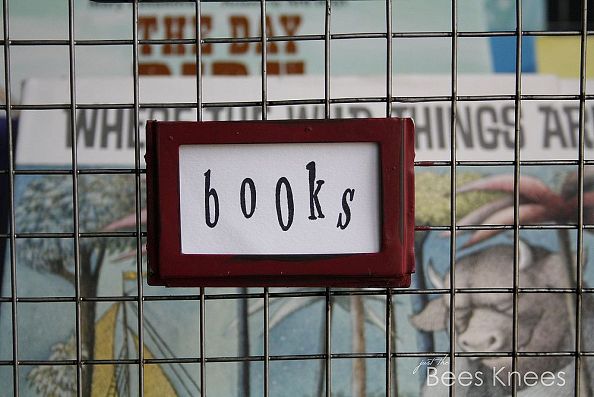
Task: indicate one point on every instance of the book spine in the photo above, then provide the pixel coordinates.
(408, 129)
(152, 187)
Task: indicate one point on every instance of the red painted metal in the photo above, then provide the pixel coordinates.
(390, 267)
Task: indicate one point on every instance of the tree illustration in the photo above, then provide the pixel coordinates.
(46, 205)
(56, 380)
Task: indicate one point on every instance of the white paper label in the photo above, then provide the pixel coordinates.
(312, 198)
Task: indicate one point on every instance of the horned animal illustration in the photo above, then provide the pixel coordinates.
(484, 321)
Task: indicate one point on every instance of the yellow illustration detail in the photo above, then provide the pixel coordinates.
(155, 381)
(104, 379)
(131, 275)
(561, 56)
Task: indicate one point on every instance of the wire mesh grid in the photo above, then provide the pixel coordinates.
(328, 357)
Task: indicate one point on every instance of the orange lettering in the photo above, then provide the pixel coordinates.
(146, 26)
(240, 27)
(273, 68)
(290, 24)
(174, 29)
(295, 68)
(229, 69)
(271, 46)
(205, 28)
(153, 69)
(189, 69)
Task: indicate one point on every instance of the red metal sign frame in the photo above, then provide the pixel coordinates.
(390, 267)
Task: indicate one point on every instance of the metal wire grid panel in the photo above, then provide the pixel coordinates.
(328, 357)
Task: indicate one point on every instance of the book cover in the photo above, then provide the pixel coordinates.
(235, 327)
